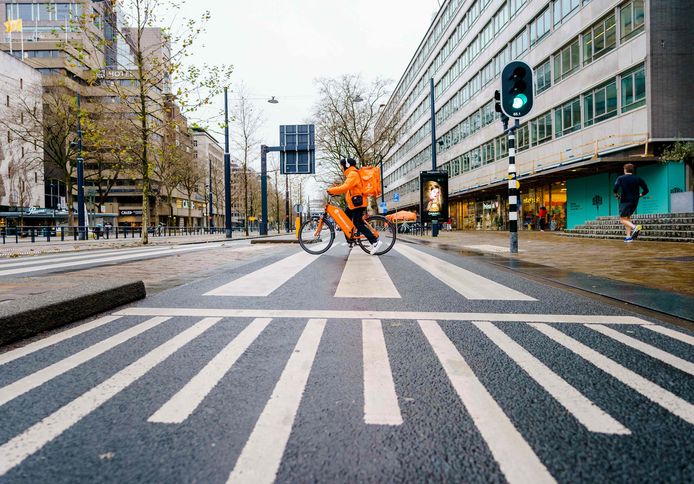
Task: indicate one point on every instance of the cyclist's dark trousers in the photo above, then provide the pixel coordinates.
(357, 215)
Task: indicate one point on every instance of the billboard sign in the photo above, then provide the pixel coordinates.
(433, 195)
(297, 149)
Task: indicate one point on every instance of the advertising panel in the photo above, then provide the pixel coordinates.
(433, 195)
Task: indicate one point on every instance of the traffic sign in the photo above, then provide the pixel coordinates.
(297, 149)
(298, 208)
(396, 197)
(383, 207)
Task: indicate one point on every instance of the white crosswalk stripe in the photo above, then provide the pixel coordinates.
(380, 400)
(37, 436)
(585, 411)
(365, 277)
(267, 279)
(650, 350)
(648, 389)
(187, 400)
(466, 283)
(28, 383)
(684, 338)
(262, 453)
(515, 457)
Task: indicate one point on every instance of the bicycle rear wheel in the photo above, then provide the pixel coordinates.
(386, 234)
(316, 235)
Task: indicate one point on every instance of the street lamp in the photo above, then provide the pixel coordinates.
(272, 100)
(358, 99)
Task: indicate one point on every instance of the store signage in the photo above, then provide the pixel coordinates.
(129, 212)
(433, 195)
(115, 74)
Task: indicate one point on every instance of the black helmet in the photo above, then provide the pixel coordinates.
(347, 162)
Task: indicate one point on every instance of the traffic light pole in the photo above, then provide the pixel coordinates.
(512, 184)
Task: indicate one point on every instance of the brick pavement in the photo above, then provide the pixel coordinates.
(667, 266)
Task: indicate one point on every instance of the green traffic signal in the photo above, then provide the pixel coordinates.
(519, 101)
(516, 89)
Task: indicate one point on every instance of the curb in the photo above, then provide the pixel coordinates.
(27, 317)
(274, 241)
(680, 306)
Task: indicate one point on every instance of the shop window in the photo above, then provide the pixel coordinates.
(633, 88)
(600, 103)
(543, 76)
(632, 19)
(567, 118)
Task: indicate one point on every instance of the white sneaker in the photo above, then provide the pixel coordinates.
(375, 247)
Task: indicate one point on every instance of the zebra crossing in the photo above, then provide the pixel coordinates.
(263, 451)
(364, 276)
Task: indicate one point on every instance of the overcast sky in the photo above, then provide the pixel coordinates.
(279, 47)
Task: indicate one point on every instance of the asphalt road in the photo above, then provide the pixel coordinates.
(420, 365)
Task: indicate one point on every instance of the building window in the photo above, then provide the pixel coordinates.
(562, 8)
(566, 61)
(634, 88)
(600, 103)
(600, 39)
(522, 138)
(501, 147)
(632, 16)
(543, 76)
(541, 129)
(567, 118)
(488, 152)
(519, 44)
(540, 26)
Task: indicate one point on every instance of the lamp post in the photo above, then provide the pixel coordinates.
(211, 209)
(227, 168)
(80, 176)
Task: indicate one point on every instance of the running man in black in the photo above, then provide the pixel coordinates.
(630, 186)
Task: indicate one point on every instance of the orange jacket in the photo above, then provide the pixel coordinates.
(352, 187)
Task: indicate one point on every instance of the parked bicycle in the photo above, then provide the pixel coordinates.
(317, 234)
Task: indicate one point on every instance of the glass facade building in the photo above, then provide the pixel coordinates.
(607, 91)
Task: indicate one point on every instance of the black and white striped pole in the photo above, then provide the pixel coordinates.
(514, 101)
(512, 188)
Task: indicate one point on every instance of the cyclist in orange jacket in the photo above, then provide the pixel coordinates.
(356, 202)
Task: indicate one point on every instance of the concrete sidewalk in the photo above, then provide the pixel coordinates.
(656, 275)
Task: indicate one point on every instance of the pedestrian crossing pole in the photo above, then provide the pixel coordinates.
(512, 186)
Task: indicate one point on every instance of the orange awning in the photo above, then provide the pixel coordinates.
(402, 216)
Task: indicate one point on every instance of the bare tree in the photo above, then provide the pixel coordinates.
(191, 177)
(245, 138)
(51, 129)
(158, 73)
(350, 123)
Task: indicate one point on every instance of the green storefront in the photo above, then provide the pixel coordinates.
(592, 197)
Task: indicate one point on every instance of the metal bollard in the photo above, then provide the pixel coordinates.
(62, 234)
(33, 235)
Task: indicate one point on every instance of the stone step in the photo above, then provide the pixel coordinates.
(645, 227)
(618, 237)
(644, 221)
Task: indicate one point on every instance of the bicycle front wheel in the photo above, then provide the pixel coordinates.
(386, 234)
(316, 235)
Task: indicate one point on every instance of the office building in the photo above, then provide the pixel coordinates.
(611, 87)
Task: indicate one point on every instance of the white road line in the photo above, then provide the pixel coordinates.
(586, 412)
(54, 339)
(648, 389)
(685, 338)
(33, 439)
(261, 456)
(36, 379)
(380, 400)
(365, 276)
(650, 350)
(31, 260)
(515, 457)
(184, 403)
(98, 260)
(466, 283)
(404, 315)
(267, 279)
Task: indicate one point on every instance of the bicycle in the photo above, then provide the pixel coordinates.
(316, 235)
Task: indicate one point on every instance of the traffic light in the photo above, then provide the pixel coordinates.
(516, 89)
